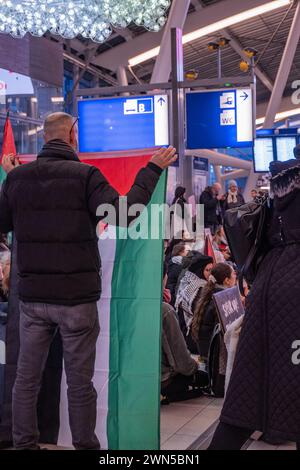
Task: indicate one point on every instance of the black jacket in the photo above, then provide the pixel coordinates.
(51, 205)
(263, 392)
(174, 270)
(210, 319)
(210, 208)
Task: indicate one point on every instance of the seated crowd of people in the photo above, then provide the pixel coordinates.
(190, 320)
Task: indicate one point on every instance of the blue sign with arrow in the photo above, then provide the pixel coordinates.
(219, 119)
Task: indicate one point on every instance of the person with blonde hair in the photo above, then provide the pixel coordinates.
(233, 198)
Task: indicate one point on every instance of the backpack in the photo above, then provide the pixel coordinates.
(217, 359)
(245, 228)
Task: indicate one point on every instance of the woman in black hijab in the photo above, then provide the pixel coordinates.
(179, 197)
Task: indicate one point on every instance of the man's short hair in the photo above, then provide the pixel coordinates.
(57, 125)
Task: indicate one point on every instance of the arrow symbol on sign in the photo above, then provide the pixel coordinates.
(245, 96)
(161, 101)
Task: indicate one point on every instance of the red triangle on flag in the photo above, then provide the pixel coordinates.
(120, 171)
(8, 145)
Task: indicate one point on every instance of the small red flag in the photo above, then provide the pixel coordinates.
(209, 249)
(8, 145)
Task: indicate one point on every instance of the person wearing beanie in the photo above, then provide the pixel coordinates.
(233, 198)
(189, 291)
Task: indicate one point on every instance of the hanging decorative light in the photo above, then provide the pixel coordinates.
(93, 19)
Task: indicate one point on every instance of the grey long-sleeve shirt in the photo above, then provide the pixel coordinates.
(176, 358)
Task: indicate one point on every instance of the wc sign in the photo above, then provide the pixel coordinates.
(228, 118)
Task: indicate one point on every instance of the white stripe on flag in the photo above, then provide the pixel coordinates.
(107, 248)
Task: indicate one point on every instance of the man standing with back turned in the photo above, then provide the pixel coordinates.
(51, 205)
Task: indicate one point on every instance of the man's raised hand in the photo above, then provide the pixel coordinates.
(164, 157)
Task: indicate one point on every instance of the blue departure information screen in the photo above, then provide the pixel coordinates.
(123, 123)
(274, 145)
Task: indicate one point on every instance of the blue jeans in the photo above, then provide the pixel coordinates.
(79, 329)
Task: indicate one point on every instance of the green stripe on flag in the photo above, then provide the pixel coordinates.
(2, 175)
(135, 338)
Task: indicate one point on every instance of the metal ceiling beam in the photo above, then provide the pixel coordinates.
(238, 48)
(285, 105)
(140, 88)
(176, 19)
(93, 70)
(196, 4)
(120, 55)
(284, 69)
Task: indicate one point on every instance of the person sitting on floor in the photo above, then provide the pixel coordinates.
(177, 366)
(189, 290)
(205, 327)
(179, 369)
(175, 267)
(205, 314)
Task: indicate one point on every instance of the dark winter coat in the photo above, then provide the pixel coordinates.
(174, 270)
(211, 205)
(263, 393)
(209, 321)
(51, 205)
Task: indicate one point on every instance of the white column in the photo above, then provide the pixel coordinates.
(218, 174)
(176, 19)
(251, 184)
(217, 158)
(122, 76)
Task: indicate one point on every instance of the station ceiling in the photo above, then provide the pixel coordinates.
(255, 33)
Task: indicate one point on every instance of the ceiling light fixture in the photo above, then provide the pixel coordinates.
(214, 27)
(93, 19)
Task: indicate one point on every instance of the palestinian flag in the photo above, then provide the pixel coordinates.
(127, 372)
